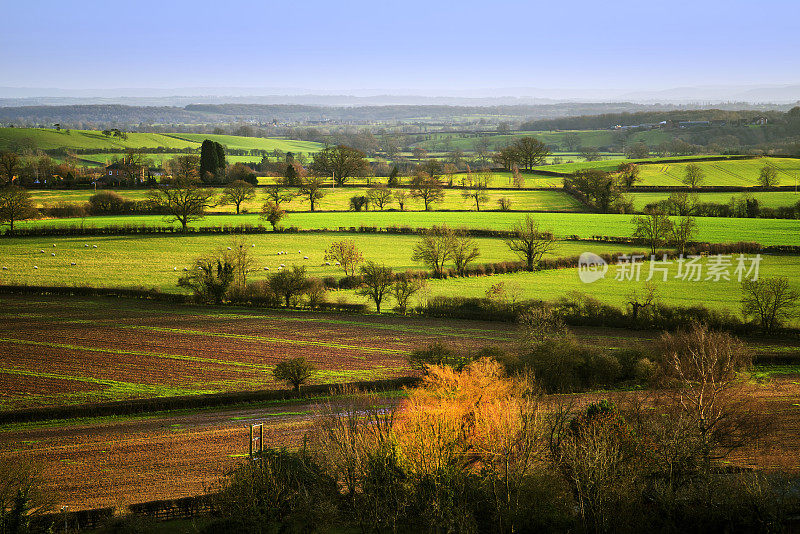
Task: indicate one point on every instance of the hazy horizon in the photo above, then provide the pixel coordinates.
(703, 50)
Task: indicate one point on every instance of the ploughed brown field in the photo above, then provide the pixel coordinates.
(114, 462)
(56, 351)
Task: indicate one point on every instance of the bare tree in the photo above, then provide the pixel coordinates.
(768, 176)
(770, 301)
(278, 193)
(464, 250)
(435, 248)
(427, 189)
(704, 366)
(654, 227)
(272, 213)
(341, 162)
(405, 287)
(529, 243)
(15, 205)
(380, 196)
(346, 254)
(9, 164)
(311, 189)
(377, 281)
(401, 197)
(693, 175)
(477, 193)
(182, 199)
(682, 232)
(238, 192)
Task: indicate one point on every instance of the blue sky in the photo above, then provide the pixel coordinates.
(400, 47)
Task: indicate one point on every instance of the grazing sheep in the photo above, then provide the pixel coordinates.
(5, 268)
(283, 265)
(338, 264)
(42, 251)
(86, 245)
(94, 246)
(174, 268)
(305, 257)
(229, 248)
(185, 268)
(328, 263)
(35, 267)
(254, 245)
(299, 252)
(73, 263)
(266, 268)
(52, 253)
(54, 244)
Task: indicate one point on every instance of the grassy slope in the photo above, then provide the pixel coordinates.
(131, 261)
(741, 173)
(339, 199)
(248, 143)
(769, 200)
(49, 139)
(586, 225)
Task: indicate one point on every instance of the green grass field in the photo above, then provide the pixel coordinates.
(740, 173)
(445, 142)
(46, 139)
(552, 284)
(132, 261)
(584, 225)
(158, 262)
(339, 199)
(774, 199)
(156, 158)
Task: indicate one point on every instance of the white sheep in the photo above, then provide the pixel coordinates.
(35, 267)
(94, 246)
(42, 251)
(282, 265)
(299, 252)
(338, 264)
(174, 268)
(328, 263)
(229, 248)
(73, 263)
(86, 245)
(185, 268)
(305, 257)
(5, 268)
(266, 268)
(52, 253)
(254, 245)
(54, 245)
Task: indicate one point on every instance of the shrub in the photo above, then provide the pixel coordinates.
(439, 355)
(285, 491)
(295, 371)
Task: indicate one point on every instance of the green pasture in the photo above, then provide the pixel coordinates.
(583, 225)
(158, 261)
(338, 199)
(253, 143)
(737, 173)
(155, 158)
(589, 138)
(553, 284)
(771, 199)
(45, 139)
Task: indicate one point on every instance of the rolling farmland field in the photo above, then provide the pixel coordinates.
(583, 225)
(73, 351)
